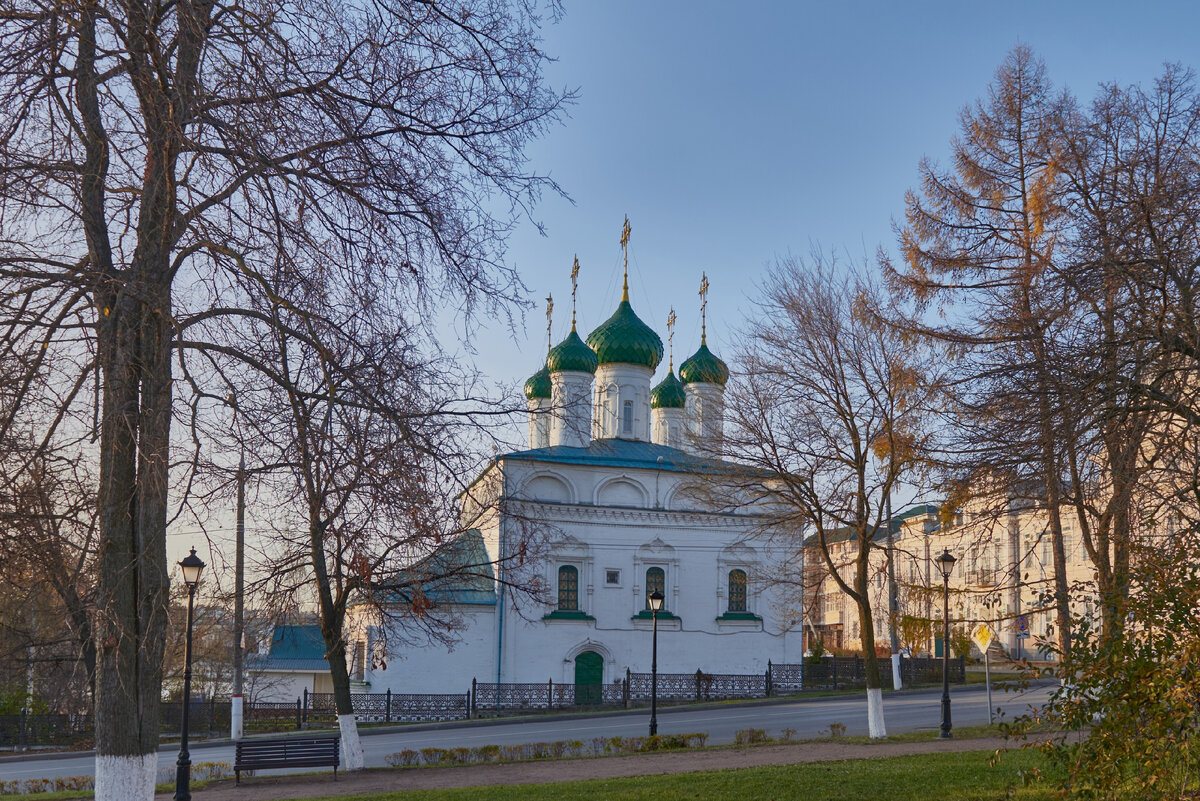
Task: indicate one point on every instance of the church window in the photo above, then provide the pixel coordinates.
(568, 588)
(737, 590)
(627, 417)
(358, 664)
(612, 577)
(656, 580)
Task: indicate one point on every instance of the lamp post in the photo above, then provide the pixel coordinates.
(656, 601)
(945, 563)
(192, 567)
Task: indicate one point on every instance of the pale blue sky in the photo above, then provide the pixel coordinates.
(734, 132)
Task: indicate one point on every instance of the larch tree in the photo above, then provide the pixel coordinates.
(158, 159)
(979, 246)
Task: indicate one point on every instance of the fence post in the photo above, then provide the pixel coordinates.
(835, 661)
(698, 675)
(549, 693)
(305, 718)
(299, 718)
(474, 696)
(625, 689)
(768, 678)
(387, 710)
(21, 733)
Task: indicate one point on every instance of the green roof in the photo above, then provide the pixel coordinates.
(299, 649)
(704, 366)
(538, 385)
(459, 572)
(625, 339)
(571, 355)
(668, 394)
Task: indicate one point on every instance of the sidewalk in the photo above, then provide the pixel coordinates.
(278, 788)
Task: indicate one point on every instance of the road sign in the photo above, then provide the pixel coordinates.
(1023, 623)
(982, 636)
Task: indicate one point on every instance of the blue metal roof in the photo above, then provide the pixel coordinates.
(625, 453)
(260, 662)
(297, 642)
(460, 572)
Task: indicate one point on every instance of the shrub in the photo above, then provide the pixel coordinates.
(403, 759)
(575, 748)
(433, 756)
(787, 734)
(750, 737)
(836, 730)
(488, 753)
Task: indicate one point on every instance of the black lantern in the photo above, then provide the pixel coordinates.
(945, 564)
(192, 567)
(655, 599)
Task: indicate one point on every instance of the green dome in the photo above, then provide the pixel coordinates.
(704, 367)
(538, 385)
(625, 339)
(571, 354)
(668, 394)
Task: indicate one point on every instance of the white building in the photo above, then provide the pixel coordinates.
(615, 476)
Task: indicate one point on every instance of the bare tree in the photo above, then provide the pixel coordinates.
(832, 405)
(156, 155)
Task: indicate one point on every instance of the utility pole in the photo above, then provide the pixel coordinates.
(239, 622)
(893, 601)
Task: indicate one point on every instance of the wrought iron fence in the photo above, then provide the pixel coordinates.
(388, 707)
(700, 686)
(546, 695)
(849, 672)
(23, 730)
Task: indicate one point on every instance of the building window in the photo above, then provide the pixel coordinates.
(358, 666)
(656, 581)
(612, 577)
(737, 590)
(627, 417)
(568, 589)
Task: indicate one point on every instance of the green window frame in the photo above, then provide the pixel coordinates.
(737, 590)
(568, 588)
(656, 579)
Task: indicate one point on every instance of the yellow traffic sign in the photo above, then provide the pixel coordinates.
(982, 636)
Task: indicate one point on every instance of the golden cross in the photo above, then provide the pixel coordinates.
(574, 287)
(671, 339)
(625, 231)
(703, 307)
(549, 321)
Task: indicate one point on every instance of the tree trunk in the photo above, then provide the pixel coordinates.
(333, 619)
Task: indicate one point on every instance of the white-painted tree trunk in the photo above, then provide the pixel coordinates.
(126, 778)
(235, 717)
(352, 753)
(897, 682)
(875, 725)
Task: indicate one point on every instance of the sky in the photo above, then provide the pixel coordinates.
(732, 134)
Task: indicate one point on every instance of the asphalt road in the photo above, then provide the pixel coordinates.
(905, 712)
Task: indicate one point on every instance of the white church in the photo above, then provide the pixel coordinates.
(614, 477)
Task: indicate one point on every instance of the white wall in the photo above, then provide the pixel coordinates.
(623, 520)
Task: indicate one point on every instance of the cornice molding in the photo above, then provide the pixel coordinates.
(620, 516)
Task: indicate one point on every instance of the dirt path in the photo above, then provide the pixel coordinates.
(276, 788)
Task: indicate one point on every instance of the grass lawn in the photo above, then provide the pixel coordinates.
(968, 776)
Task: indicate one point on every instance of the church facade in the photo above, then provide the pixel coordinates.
(614, 481)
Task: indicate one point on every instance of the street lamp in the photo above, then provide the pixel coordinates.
(192, 567)
(945, 563)
(656, 601)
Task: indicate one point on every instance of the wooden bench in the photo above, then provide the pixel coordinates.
(287, 752)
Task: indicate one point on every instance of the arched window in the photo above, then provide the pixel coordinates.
(737, 590)
(656, 579)
(627, 417)
(568, 589)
